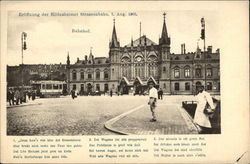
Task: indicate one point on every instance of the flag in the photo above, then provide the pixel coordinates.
(202, 28)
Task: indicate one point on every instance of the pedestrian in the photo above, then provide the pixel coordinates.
(160, 93)
(152, 100)
(73, 93)
(17, 96)
(111, 93)
(29, 94)
(21, 96)
(12, 98)
(200, 118)
(33, 95)
(9, 96)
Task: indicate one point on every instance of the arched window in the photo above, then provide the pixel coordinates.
(197, 84)
(209, 71)
(176, 72)
(176, 86)
(187, 71)
(198, 71)
(209, 86)
(187, 86)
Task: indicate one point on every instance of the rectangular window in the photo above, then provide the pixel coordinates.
(74, 76)
(176, 86)
(106, 75)
(98, 87)
(74, 86)
(55, 86)
(43, 86)
(82, 87)
(82, 75)
(48, 86)
(89, 76)
(106, 87)
(187, 86)
(97, 75)
(60, 86)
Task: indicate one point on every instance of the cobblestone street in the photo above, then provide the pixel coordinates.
(84, 115)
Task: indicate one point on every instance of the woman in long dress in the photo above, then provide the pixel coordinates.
(200, 117)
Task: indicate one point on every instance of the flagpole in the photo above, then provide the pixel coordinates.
(22, 58)
(205, 56)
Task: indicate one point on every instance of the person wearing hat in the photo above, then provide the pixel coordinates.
(200, 117)
(152, 99)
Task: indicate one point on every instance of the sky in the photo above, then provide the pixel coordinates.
(50, 38)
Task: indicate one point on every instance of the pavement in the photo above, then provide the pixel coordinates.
(171, 119)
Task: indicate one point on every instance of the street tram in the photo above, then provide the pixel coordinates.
(49, 88)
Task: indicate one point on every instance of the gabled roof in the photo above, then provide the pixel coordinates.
(152, 78)
(139, 79)
(143, 38)
(126, 80)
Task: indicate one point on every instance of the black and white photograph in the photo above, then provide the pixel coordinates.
(138, 73)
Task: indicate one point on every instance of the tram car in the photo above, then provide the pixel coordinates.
(49, 88)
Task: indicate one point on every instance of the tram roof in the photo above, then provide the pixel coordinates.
(48, 82)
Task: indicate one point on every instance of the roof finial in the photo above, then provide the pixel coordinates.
(164, 16)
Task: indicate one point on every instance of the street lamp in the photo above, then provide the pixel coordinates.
(23, 47)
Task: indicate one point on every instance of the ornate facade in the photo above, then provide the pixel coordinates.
(129, 68)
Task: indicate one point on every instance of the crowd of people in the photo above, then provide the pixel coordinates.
(18, 96)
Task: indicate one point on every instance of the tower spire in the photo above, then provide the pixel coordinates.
(140, 32)
(114, 41)
(164, 34)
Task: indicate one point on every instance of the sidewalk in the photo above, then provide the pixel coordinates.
(171, 119)
(28, 103)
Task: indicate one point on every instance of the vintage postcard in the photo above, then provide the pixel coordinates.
(124, 82)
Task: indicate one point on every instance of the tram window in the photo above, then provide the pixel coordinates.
(43, 86)
(55, 86)
(60, 86)
(48, 86)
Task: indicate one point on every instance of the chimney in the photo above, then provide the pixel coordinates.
(86, 58)
(184, 48)
(218, 51)
(181, 48)
(209, 49)
(77, 60)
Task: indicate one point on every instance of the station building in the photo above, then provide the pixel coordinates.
(129, 68)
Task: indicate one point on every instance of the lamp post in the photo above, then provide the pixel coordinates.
(23, 47)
